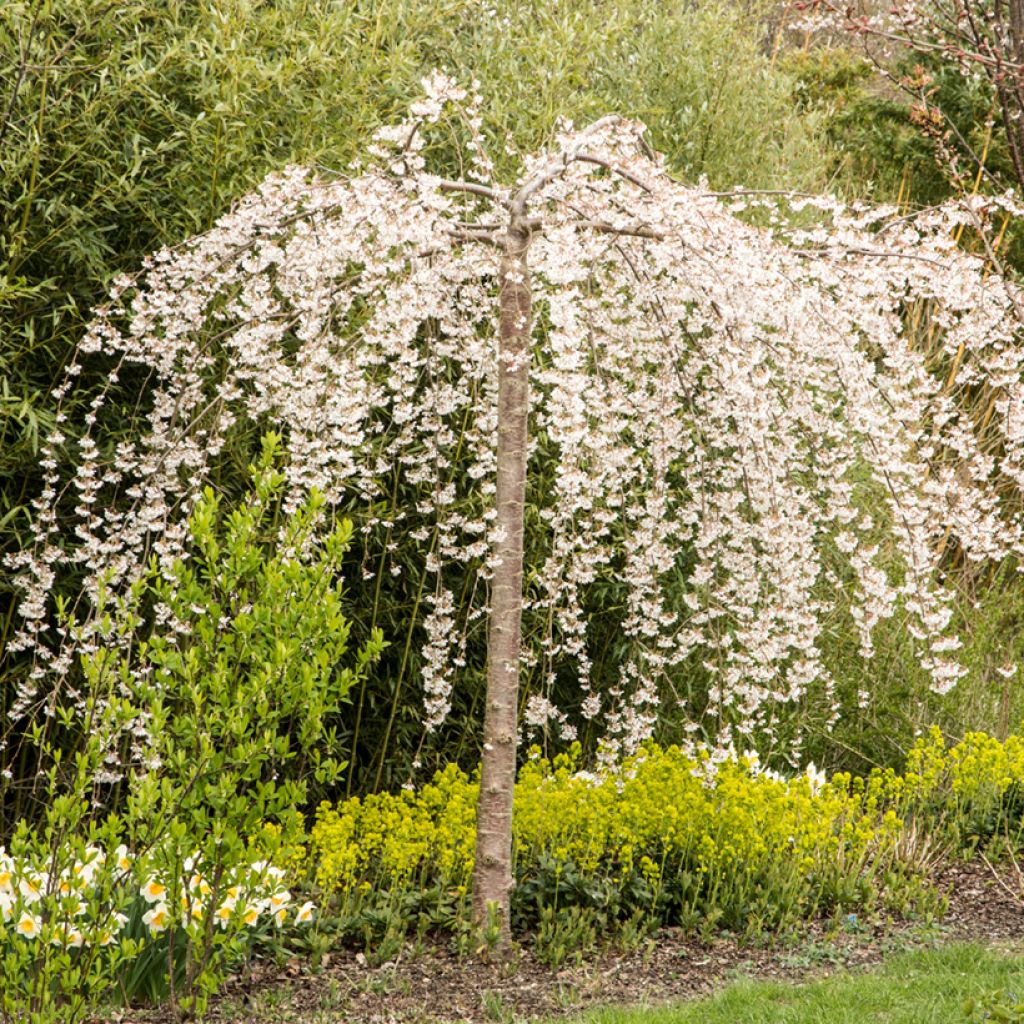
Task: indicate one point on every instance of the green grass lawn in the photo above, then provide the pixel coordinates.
(914, 988)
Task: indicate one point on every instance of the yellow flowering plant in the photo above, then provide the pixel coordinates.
(673, 838)
(972, 791)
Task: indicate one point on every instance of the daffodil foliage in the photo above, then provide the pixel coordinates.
(744, 410)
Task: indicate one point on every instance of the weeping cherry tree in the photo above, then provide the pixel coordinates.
(740, 431)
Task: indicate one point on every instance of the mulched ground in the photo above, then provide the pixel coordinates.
(439, 986)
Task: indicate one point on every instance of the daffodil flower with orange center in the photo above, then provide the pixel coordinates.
(223, 913)
(192, 912)
(280, 899)
(65, 935)
(66, 886)
(200, 885)
(153, 891)
(157, 919)
(31, 887)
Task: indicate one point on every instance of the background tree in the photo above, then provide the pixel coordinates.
(130, 127)
(981, 39)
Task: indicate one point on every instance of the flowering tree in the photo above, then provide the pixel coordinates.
(740, 428)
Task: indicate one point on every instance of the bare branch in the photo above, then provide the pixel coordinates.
(608, 165)
(470, 235)
(446, 185)
(634, 230)
(559, 167)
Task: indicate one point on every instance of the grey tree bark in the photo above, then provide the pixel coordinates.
(492, 880)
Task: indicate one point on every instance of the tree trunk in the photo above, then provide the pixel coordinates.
(492, 875)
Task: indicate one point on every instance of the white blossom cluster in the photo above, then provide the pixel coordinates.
(737, 413)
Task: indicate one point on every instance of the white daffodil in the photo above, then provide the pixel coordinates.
(157, 918)
(66, 935)
(86, 869)
(192, 913)
(68, 884)
(153, 891)
(815, 778)
(32, 887)
(199, 885)
(223, 914)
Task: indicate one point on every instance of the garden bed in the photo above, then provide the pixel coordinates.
(437, 985)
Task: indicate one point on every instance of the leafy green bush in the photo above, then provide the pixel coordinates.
(1000, 1007)
(207, 735)
(239, 689)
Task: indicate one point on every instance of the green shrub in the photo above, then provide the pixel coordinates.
(207, 736)
(1000, 1007)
